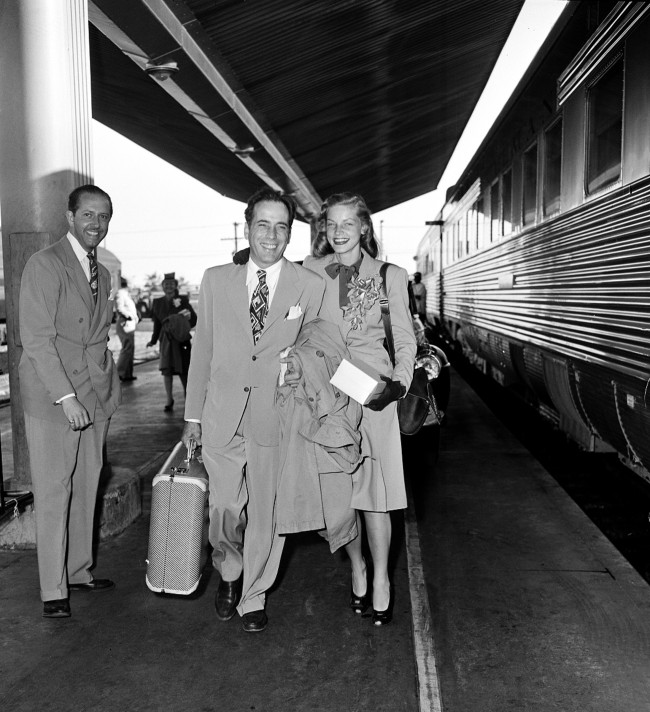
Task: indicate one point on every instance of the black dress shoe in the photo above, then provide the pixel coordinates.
(57, 608)
(94, 585)
(169, 407)
(254, 622)
(128, 379)
(227, 598)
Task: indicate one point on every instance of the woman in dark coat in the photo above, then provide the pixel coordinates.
(173, 317)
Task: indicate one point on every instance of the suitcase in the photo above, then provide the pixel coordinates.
(178, 528)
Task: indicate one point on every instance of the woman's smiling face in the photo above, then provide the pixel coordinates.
(344, 231)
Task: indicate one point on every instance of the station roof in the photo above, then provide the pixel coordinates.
(309, 96)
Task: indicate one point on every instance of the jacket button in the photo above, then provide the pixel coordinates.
(246, 389)
(336, 394)
(81, 319)
(75, 372)
(320, 353)
(254, 358)
(311, 399)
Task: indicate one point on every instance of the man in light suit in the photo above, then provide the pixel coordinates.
(70, 388)
(248, 315)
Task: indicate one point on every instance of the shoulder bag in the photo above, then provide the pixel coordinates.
(413, 408)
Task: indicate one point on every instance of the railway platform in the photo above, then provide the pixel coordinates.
(506, 598)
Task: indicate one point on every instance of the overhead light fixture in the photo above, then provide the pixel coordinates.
(243, 151)
(161, 71)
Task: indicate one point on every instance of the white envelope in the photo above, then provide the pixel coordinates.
(294, 312)
(357, 380)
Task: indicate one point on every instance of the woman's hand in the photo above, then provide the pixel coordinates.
(394, 391)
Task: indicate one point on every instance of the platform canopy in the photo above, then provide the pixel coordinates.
(310, 96)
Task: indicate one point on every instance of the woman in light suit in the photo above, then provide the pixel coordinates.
(344, 254)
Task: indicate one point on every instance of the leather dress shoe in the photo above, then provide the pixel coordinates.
(227, 598)
(254, 622)
(94, 585)
(57, 608)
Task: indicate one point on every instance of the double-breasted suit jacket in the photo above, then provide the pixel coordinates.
(64, 335)
(231, 390)
(378, 484)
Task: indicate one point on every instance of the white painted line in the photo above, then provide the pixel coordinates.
(425, 657)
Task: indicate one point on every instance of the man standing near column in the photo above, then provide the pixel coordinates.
(248, 314)
(70, 389)
(125, 322)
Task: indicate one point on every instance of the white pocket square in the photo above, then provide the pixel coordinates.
(294, 312)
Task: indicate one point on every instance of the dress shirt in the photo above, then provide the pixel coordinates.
(82, 255)
(272, 277)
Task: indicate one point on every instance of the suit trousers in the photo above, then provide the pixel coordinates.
(243, 483)
(65, 465)
(127, 352)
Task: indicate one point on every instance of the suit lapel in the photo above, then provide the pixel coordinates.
(238, 296)
(75, 272)
(287, 293)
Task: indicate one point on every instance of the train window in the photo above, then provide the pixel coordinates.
(552, 168)
(529, 197)
(494, 211)
(605, 128)
(506, 203)
(480, 221)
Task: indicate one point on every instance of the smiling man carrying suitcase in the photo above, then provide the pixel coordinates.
(248, 314)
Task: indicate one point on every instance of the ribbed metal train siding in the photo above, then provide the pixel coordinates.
(581, 292)
(581, 284)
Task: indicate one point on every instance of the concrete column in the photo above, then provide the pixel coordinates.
(45, 149)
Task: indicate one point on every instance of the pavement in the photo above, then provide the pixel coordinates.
(133, 650)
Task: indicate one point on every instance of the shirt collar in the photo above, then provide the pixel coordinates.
(78, 250)
(272, 272)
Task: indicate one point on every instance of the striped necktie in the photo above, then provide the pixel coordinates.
(93, 275)
(259, 305)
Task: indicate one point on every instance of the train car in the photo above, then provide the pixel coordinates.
(538, 266)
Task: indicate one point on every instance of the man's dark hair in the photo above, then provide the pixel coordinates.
(75, 197)
(272, 196)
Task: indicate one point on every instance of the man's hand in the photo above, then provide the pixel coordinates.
(76, 414)
(394, 391)
(149, 344)
(293, 374)
(191, 433)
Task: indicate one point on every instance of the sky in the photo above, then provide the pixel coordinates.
(166, 221)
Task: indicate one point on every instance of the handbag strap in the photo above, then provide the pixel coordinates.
(385, 313)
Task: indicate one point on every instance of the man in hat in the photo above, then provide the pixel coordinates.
(248, 314)
(173, 317)
(70, 389)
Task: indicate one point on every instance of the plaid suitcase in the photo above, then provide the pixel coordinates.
(178, 527)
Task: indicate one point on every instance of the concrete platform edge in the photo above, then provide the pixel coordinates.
(119, 506)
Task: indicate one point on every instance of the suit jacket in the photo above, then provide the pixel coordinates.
(227, 369)
(64, 336)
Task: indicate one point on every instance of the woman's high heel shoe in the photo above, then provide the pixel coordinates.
(169, 407)
(383, 617)
(359, 604)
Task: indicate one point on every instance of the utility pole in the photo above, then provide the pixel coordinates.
(235, 238)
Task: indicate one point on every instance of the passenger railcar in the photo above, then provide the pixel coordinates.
(538, 266)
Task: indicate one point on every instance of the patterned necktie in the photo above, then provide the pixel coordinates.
(93, 274)
(259, 305)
